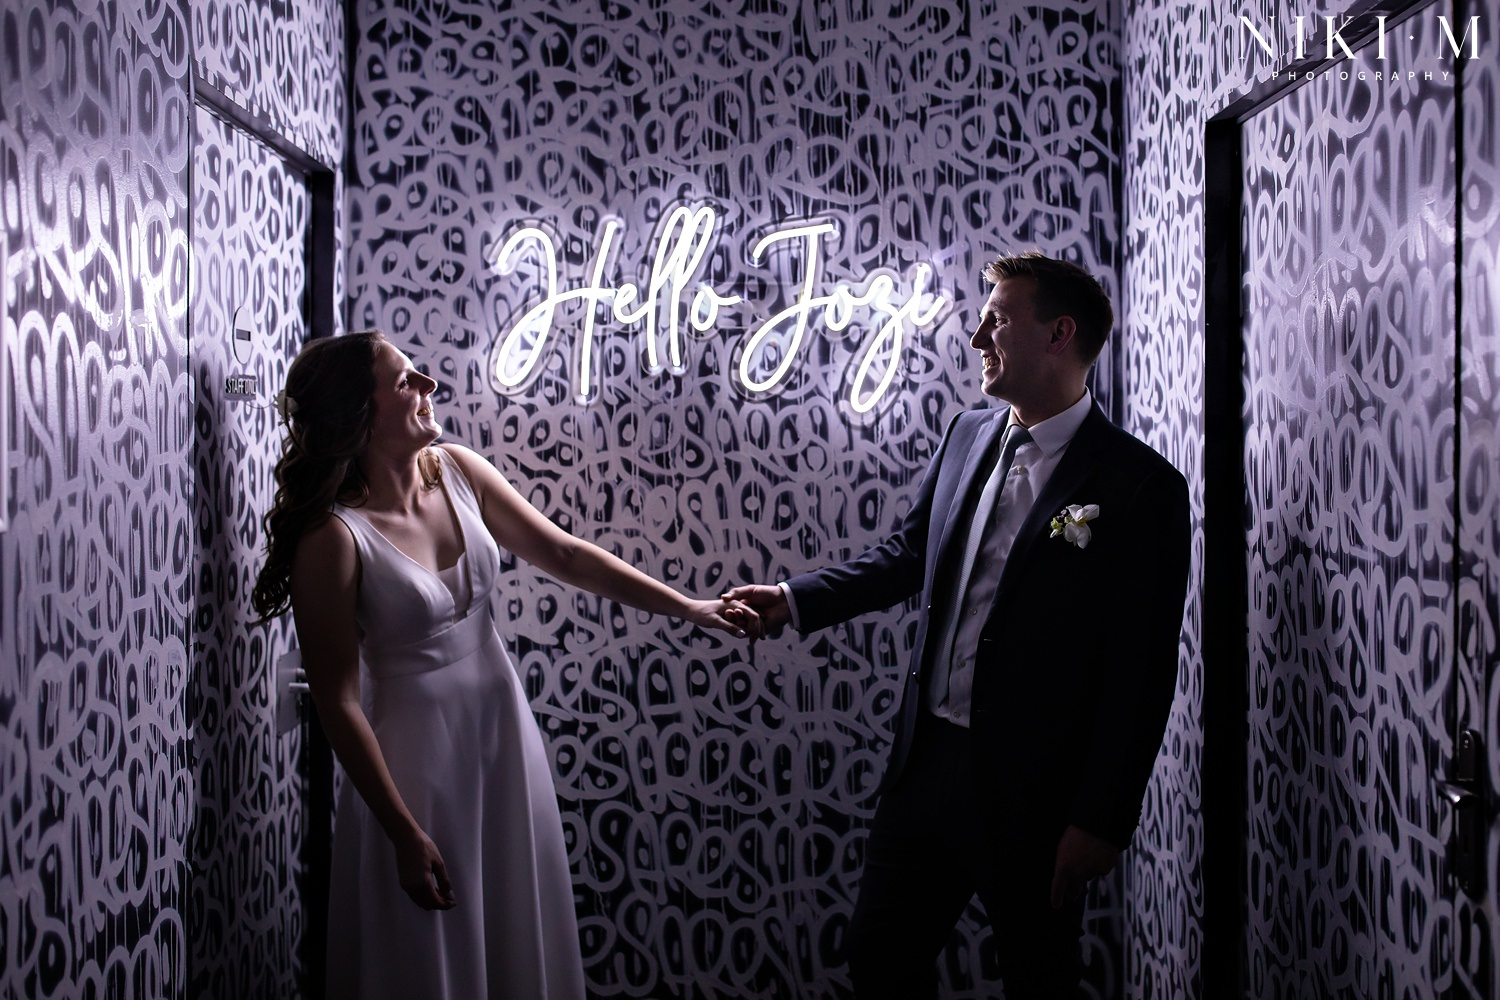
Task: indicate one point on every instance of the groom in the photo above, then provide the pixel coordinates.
(1051, 551)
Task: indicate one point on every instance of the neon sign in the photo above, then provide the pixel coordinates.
(683, 240)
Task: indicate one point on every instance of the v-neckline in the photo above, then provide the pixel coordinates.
(463, 535)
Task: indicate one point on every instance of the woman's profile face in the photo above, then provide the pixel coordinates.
(402, 402)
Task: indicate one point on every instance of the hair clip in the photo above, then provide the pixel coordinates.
(286, 406)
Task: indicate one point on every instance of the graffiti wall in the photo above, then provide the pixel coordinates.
(700, 282)
(95, 564)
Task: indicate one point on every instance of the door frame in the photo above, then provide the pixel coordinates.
(1226, 687)
(318, 312)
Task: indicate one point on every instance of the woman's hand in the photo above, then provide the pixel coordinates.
(423, 875)
(767, 602)
(729, 616)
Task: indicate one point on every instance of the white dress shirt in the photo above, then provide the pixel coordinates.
(950, 684)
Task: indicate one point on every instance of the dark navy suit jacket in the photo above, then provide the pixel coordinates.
(1077, 664)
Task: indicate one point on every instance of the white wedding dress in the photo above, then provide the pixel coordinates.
(464, 750)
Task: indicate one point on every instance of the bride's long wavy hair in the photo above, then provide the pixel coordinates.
(332, 381)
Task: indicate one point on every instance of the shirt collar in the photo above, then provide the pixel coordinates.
(1053, 434)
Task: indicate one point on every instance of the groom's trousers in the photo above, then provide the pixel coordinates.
(931, 849)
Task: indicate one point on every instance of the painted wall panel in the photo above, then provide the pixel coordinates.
(715, 799)
(283, 63)
(1350, 375)
(1476, 925)
(95, 567)
(282, 60)
(250, 223)
(1184, 62)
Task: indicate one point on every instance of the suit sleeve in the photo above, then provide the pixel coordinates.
(883, 574)
(1140, 682)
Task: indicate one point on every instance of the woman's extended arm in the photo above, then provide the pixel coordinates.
(324, 585)
(522, 529)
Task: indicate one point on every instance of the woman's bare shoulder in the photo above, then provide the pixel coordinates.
(483, 477)
(328, 540)
(466, 458)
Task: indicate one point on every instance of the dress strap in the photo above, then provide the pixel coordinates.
(458, 483)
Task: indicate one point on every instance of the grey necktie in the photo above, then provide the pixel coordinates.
(984, 513)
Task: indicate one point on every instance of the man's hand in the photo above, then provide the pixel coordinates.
(767, 601)
(739, 620)
(1081, 857)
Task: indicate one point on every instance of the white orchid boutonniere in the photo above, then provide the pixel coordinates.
(1072, 522)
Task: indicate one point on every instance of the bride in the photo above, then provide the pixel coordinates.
(450, 876)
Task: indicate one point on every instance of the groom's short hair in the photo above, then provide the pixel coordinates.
(1062, 289)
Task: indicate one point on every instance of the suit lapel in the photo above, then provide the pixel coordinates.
(974, 465)
(1077, 462)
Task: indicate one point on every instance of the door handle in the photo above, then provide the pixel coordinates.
(1459, 796)
(1464, 791)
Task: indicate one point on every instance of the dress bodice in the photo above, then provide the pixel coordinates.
(409, 619)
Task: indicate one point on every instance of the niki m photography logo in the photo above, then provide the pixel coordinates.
(1361, 47)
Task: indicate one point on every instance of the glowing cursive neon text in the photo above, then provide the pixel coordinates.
(659, 306)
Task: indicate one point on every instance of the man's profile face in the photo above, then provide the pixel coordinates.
(1011, 341)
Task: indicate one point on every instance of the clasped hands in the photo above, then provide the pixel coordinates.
(752, 613)
(760, 610)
